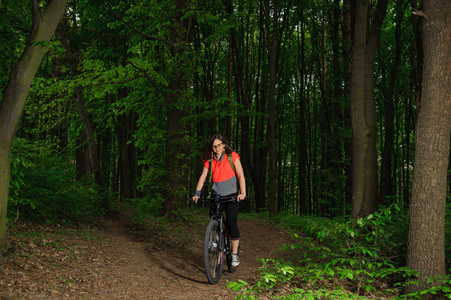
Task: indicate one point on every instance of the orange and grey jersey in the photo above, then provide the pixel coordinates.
(224, 181)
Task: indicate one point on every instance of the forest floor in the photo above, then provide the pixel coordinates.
(121, 259)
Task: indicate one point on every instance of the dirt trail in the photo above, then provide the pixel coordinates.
(116, 261)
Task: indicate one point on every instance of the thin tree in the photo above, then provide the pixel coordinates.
(386, 156)
(13, 102)
(426, 244)
(337, 111)
(271, 29)
(347, 53)
(302, 132)
(65, 38)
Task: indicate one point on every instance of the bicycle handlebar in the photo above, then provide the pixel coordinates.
(218, 199)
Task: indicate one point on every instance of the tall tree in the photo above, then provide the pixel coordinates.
(63, 30)
(363, 108)
(176, 98)
(426, 244)
(386, 155)
(13, 102)
(271, 34)
(337, 99)
(302, 142)
(347, 53)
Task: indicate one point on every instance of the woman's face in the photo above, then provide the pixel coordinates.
(218, 146)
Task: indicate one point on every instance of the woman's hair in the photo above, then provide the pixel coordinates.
(208, 151)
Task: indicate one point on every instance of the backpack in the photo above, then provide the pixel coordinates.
(229, 157)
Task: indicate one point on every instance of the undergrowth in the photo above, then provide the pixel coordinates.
(340, 259)
(43, 189)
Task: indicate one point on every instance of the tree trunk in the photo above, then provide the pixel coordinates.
(417, 22)
(228, 133)
(359, 128)
(253, 159)
(258, 168)
(176, 146)
(417, 79)
(302, 142)
(324, 192)
(347, 53)
(337, 111)
(426, 244)
(271, 29)
(80, 159)
(363, 109)
(13, 102)
(175, 156)
(280, 172)
(63, 31)
(386, 161)
(124, 129)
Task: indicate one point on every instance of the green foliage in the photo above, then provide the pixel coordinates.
(437, 286)
(53, 45)
(15, 25)
(338, 258)
(43, 189)
(143, 208)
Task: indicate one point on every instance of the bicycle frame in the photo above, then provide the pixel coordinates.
(218, 205)
(213, 268)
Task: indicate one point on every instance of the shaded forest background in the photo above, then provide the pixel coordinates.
(129, 93)
(121, 62)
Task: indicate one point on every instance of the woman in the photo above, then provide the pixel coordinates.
(224, 183)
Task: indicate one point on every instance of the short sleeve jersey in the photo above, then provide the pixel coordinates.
(224, 181)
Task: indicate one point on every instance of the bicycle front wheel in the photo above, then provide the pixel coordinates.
(213, 259)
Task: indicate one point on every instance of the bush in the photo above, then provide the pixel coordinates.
(43, 187)
(142, 209)
(338, 258)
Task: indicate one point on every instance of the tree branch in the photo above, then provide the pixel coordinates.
(35, 19)
(420, 13)
(144, 72)
(149, 37)
(66, 92)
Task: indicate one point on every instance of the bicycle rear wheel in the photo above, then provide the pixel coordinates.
(212, 253)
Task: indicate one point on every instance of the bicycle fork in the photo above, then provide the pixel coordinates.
(221, 241)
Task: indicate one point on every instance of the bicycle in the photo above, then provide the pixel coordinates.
(217, 243)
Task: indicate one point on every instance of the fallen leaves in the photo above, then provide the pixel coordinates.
(50, 262)
(120, 260)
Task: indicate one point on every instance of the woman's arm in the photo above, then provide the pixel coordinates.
(201, 182)
(241, 179)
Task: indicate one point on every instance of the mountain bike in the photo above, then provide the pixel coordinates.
(217, 244)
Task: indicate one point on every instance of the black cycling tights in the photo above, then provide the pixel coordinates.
(231, 218)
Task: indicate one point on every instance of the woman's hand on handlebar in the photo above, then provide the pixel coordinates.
(241, 197)
(196, 195)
